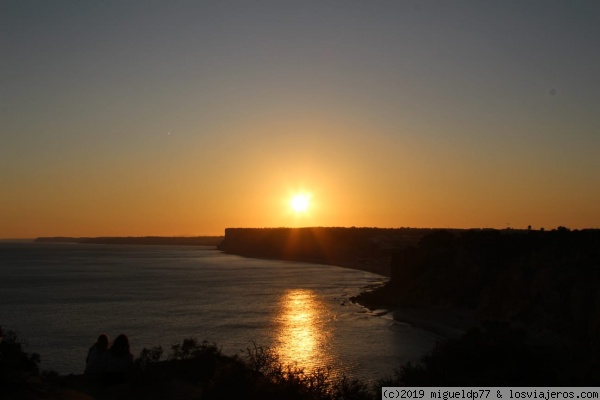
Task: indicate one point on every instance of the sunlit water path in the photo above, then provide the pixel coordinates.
(59, 297)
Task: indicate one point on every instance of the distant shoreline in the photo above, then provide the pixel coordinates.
(137, 240)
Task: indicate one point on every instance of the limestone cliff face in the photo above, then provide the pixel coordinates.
(327, 245)
(547, 281)
(301, 243)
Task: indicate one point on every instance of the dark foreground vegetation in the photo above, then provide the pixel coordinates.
(490, 356)
(141, 240)
(192, 370)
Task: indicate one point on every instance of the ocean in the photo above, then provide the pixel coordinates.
(59, 297)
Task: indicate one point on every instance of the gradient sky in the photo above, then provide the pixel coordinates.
(187, 117)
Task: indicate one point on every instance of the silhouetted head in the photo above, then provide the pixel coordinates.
(102, 343)
(120, 346)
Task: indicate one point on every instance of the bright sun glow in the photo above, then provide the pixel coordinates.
(300, 202)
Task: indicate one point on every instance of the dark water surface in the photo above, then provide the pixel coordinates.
(59, 297)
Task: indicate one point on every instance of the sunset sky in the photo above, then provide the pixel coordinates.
(188, 117)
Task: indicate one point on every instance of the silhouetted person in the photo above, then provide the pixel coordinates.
(119, 360)
(95, 362)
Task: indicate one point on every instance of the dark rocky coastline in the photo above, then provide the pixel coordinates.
(491, 293)
(538, 285)
(450, 281)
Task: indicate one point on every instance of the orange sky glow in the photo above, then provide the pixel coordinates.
(390, 114)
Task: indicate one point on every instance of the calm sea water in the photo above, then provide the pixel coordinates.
(59, 297)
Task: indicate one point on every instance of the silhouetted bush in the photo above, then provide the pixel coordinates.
(16, 366)
(191, 348)
(149, 357)
(256, 373)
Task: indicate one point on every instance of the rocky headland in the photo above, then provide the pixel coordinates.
(542, 284)
(367, 249)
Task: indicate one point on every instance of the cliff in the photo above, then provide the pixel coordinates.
(368, 249)
(544, 282)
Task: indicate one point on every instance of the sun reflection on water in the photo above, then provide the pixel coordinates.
(302, 336)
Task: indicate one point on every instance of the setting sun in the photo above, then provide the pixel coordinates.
(300, 202)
